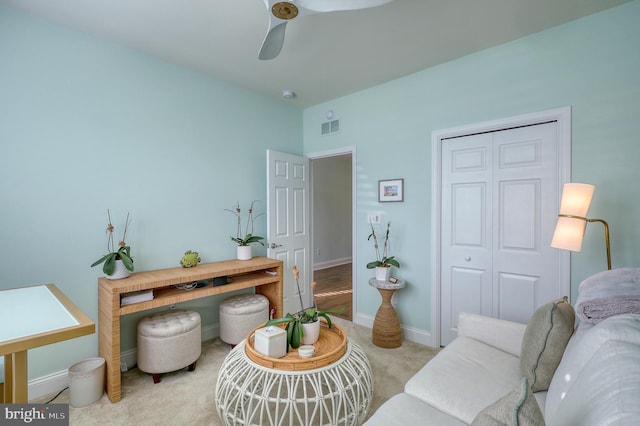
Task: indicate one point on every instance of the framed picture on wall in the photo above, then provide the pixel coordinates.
(391, 190)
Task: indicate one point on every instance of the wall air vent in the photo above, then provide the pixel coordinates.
(329, 127)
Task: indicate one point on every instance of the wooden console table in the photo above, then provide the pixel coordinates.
(263, 274)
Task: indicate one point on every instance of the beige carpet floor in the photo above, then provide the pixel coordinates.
(187, 398)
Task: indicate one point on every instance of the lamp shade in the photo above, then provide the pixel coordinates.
(568, 234)
(576, 198)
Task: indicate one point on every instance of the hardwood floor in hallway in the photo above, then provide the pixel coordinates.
(335, 289)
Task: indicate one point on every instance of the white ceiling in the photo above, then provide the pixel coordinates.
(325, 56)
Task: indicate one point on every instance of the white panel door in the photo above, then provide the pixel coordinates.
(467, 243)
(288, 227)
(499, 204)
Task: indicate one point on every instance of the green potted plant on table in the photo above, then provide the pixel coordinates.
(303, 327)
(117, 263)
(383, 262)
(244, 242)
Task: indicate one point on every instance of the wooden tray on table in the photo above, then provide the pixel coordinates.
(330, 347)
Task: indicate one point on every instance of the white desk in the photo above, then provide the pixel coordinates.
(32, 317)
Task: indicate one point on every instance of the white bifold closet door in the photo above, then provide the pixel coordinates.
(499, 209)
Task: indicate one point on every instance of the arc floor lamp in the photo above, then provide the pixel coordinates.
(572, 219)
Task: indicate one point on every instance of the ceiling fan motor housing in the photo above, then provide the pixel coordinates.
(284, 10)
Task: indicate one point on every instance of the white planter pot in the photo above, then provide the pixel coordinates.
(382, 273)
(119, 272)
(244, 253)
(310, 332)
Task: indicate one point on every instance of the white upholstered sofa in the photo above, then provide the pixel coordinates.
(478, 377)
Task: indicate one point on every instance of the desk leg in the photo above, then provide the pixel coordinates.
(8, 380)
(386, 326)
(15, 378)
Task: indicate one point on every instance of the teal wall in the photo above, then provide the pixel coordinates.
(87, 126)
(592, 65)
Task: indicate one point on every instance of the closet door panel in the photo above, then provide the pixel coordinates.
(499, 205)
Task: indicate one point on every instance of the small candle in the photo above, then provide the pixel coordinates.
(306, 351)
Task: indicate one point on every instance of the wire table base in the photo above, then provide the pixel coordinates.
(338, 394)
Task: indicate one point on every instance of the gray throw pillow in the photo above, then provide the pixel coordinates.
(544, 342)
(518, 408)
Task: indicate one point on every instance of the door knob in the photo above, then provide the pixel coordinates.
(468, 258)
(274, 245)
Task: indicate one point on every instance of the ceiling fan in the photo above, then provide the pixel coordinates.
(281, 12)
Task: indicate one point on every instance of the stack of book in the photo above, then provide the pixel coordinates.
(136, 297)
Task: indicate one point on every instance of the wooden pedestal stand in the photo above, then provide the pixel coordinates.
(386, 326)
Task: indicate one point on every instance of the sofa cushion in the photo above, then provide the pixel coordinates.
(545, 339)
(465, 377)
(607, 390)
(518, 407)
(583, 346)
(501, 334)
(404, 409)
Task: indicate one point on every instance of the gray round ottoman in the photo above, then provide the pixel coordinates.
(240, 314)
(169, 341)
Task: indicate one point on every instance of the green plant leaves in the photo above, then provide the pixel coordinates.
(385, 261)
(391, 261)
(109, 260)
(126, 259)
(295, 321)
(296, 335)
(109, 264)
(248, 239)
(102, 259)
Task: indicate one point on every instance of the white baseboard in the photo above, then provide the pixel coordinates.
(363, 320)
(331, 263)
(416, 335)
(55, 382)
(49, 384)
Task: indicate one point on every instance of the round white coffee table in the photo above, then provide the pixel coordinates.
(337, 394)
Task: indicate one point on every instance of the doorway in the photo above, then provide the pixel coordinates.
(332, 231)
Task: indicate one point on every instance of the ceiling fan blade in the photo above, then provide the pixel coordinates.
(273, 41)
(282, 11)
(337, 5)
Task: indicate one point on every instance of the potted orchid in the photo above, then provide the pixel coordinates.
(245, 240)
(383, 262)
(118, 262)
(303, 327)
